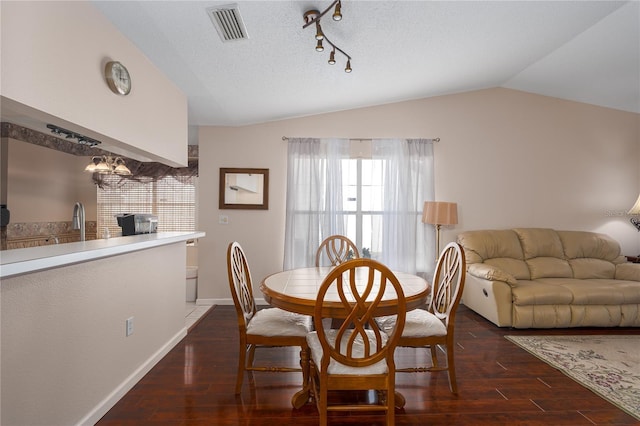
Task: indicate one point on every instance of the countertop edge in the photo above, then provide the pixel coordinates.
(28, 260)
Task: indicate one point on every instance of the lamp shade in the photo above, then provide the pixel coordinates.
(440, 213)
(636, 207)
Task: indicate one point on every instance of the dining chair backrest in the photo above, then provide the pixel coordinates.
(448, 283)
(336, 249)
(240, 284)
(357, 286)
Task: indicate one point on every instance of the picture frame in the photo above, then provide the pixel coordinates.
(244, 189)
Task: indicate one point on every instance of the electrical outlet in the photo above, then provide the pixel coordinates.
(129, 326)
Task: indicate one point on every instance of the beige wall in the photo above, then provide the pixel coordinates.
(65, 356)
(507, 158)
(52, 68)
(44, 184)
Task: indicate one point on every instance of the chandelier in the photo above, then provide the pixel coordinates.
(107, 165)
(313, 17)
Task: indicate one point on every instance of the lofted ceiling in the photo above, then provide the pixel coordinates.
(585, 51)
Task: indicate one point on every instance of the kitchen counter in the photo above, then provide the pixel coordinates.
(27, 260)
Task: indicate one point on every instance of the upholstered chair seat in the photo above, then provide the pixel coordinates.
(336, 367)
(278, 322)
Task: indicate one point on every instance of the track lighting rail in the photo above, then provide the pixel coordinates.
(313, 17)
(68, 134)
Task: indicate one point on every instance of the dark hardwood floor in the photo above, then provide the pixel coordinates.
(498, 382)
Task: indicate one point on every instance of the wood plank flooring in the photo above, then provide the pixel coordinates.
(498, 382)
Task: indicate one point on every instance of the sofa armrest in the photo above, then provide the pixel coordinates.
(628, 271)
(491, 273)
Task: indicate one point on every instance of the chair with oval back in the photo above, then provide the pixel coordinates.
(271, 327)
(336, 249)
(434, 327)
(358, 355)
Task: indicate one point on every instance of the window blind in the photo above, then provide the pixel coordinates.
(171, 198)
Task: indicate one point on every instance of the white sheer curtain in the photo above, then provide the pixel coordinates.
(408, 183)
(315, 201)
(314, 197)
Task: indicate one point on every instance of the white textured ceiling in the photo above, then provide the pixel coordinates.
(587, 51)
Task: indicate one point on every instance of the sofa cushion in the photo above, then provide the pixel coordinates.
(516, 268)
(541, 293)
(596, 292)
(488, 272)
(540, 242)
(558, 291)
(549, 267)
(628, 271)
(581, 244)
(592, 268)
(543, 253)
(500, 248)
(590, 254)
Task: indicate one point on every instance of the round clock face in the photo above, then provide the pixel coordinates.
(118, 78)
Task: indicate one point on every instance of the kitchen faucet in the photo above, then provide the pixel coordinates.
(78, 219)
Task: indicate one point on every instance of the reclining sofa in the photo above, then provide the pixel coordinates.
(542, 278)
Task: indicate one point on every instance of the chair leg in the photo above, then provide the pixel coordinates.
(241, 365)
(323, 405)
(391, 406)
(451, 370)
(434, 355)
(252, 353)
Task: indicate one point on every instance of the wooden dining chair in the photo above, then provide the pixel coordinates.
(358, 355)
(336, 249)
(434, 327)
(271, 327)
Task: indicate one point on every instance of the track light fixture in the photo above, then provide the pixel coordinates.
(68, 134)
(313, 17)
(319, 34)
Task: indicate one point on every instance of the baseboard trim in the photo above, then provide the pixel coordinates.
(227, 301)
(106, 404)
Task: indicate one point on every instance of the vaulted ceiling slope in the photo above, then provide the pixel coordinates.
(585, 51)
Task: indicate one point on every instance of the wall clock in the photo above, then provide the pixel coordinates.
(118, 78)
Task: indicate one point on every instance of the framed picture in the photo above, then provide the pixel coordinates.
(246, 189)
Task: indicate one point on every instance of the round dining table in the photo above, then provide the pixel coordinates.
(295, 290)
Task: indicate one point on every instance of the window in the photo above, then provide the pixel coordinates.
(363, 193)
(375, 201)
(171, 198)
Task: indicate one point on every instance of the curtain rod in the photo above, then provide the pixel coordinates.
(286, 138)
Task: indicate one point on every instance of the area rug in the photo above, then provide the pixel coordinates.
(608, 365)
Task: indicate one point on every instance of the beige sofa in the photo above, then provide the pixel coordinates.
(542, 278)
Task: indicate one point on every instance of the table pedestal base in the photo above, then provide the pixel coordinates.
(300, 398)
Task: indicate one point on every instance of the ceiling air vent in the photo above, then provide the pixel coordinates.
(228, 22)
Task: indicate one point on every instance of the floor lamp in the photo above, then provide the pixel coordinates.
(439, 213)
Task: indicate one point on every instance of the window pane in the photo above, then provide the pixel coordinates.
(350, 185)
(172, 199)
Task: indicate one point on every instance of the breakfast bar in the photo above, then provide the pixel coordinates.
(91, 317)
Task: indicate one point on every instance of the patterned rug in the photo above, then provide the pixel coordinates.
(608, 365)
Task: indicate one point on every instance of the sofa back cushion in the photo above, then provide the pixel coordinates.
(533, 253)
(590, 254)
(500, 248)
(543, 253)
